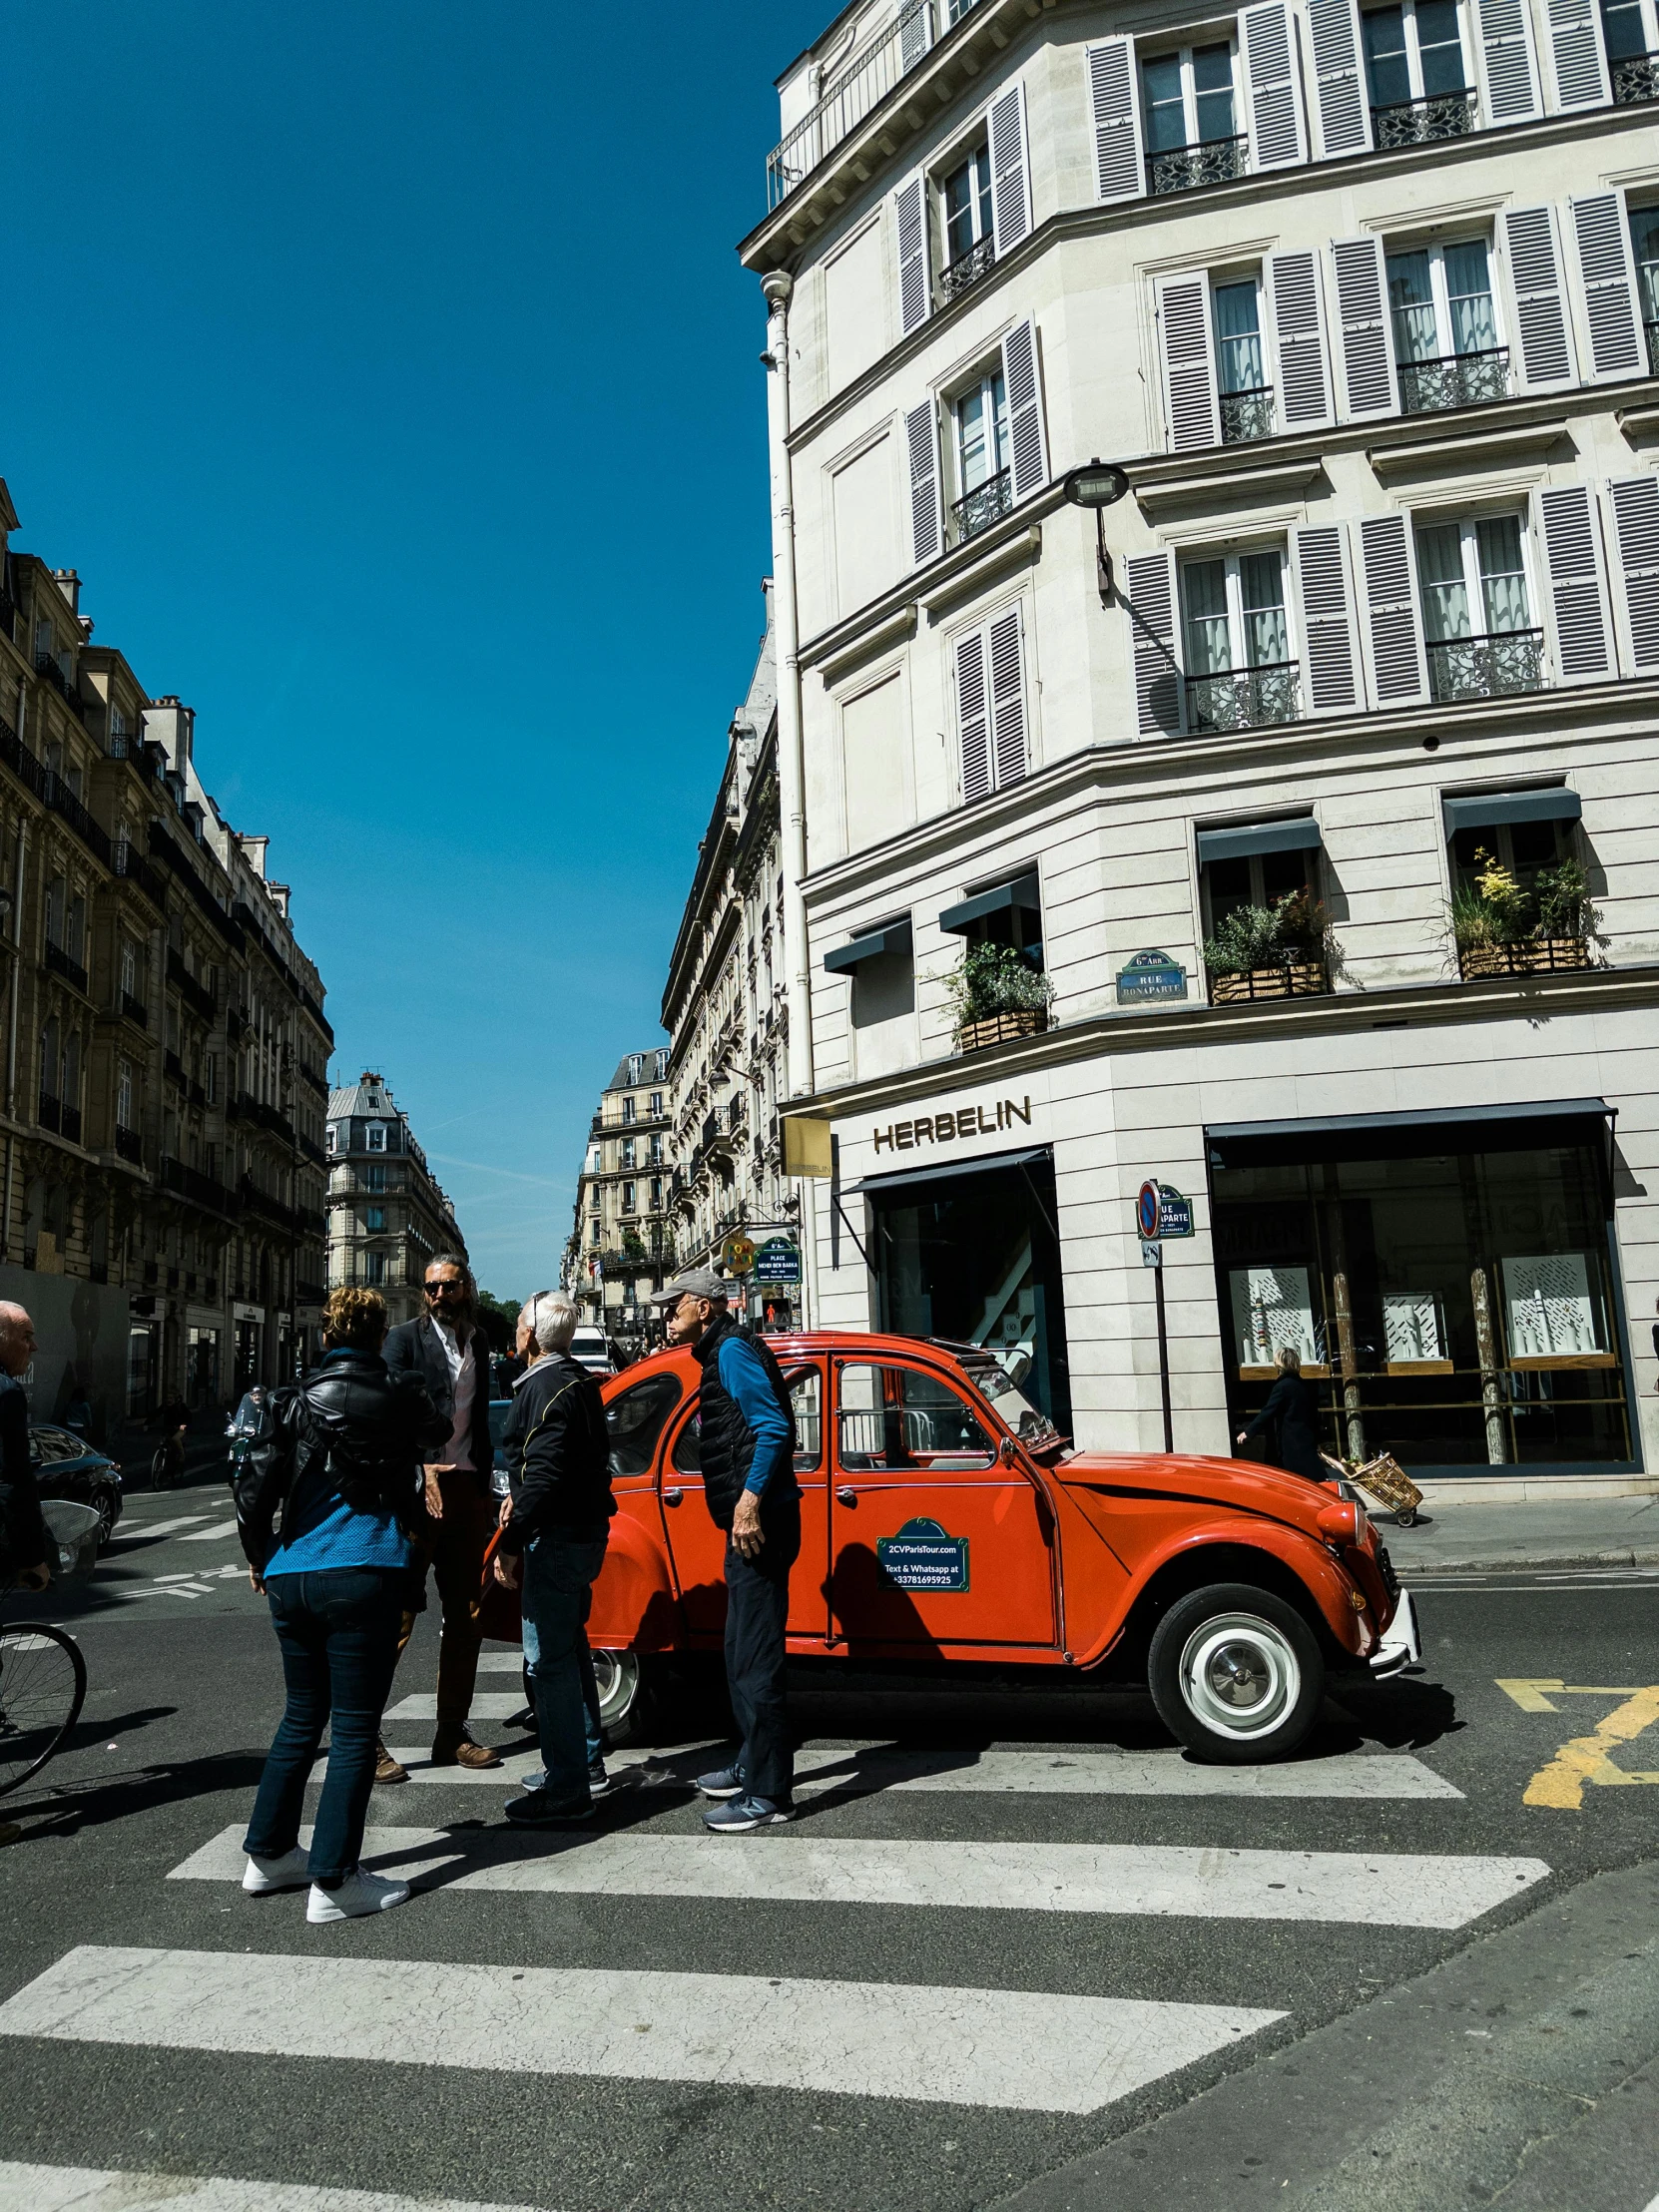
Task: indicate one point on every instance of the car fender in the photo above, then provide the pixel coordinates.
(633, 1605)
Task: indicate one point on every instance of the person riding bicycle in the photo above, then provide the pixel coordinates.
(25, 1546)
(168, 1463)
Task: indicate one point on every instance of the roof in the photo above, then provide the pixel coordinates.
(366, 1100)
(623, 1081)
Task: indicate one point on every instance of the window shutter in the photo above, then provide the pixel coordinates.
(1120, 169)
(1026, 410)
(926, 522)
(1298, 339)
(1636, 527)
(1189, 372)
(910, 209)
(1569, 526)
(1344, 107)
(1157, 668)
(1278, 133)
(1367, 343)
(1010, 185)
(1603, 237)
(914, 27)
(1008, 700)
(1540, 303)
(1579, 56)
(1330, 648)
(1398, 673)
(972, 718)
(1510, 66)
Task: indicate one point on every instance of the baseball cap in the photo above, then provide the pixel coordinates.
(695, 1283)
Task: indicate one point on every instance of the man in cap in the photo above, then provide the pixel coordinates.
(747, 1455)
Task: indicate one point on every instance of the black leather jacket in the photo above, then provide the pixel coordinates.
(370, 1430)
(557, 1450)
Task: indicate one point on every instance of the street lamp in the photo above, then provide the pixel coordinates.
(1098, 484)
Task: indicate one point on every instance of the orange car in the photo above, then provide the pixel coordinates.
(943, 1520)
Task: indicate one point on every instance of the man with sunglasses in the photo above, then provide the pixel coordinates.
(450, 1352)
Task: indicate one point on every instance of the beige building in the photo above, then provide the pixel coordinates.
(622, 1239)
(1300, 853)
(387, 1214)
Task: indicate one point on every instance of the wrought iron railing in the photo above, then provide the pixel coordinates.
(1651, 331)
(986, 503)
(129, 1144)
(135, 1010)
(199, 1189)
(1246, 697)
(1246, 414)
(46, 664)
(63, 803)
(71, 1124)
(127, 863)
(1444, 115)
(967, 270)
(1491, 667)
(847, 98)
(1211, 162)
(48, 1111)
(194, 994)
(1454, 380)
(1635, 78)
(60, 962)
(173, 1067)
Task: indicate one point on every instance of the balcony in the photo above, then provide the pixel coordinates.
(1454, 380)
(49, 1112)
(1247, 416)
(71, 1124)
(847, 98)
(986, 503)
(1444, 115)
(46, 665)
(129, 1146)
(309, 1294)
(134, 1009)
(65, 805)
(1635, 80)
(59, 962)
(1186, 168)
(200, 1190)
(1493, 667)
(962, 274)
(195, 995)
(126, 864)
(1245, 698)
(172, 1068)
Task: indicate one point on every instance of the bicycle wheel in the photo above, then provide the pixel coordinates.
(43, 1683)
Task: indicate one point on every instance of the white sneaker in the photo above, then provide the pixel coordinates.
(291, 1872)
(357, 1894)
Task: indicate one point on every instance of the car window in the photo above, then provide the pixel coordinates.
(48, 1444)
(900, 1417)
(807, 1398)
(500, 1408)
(635, 1420)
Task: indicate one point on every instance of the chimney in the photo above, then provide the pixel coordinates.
(253, 851)
(68, 581)
(170, 724)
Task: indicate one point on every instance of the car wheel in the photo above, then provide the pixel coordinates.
(1236, 1674)
(623, 1694)
(107, 1507)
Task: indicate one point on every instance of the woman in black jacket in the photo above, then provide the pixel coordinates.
(1290, 1422)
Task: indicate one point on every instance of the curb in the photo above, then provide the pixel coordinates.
(1500, 1562)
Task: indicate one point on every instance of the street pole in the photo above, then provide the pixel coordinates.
(1163, 1352)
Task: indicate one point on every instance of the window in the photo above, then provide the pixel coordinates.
(806, 1387)
(374, 1176)
(1192, 134)
(627, 1200)
(329, 1137)
(656, 1106)
(594, 1228)
(210, 1076)
(627, 1152)
(1644, 237)
(1445, 328)
(636, 1065)
(1240, 670)
(377, 1136)
(375, 1217)
(628, 1106)
(1008, 912)
(990, 706)
(374, 1267)
(1476, 608)
(983, 475)
(1414, 67)
(656, 1193)
(899, 1418)
(656, 1148)
(1241, 371)
(124, 1096)
(634, 1421)
(966, 194)
(128, 968)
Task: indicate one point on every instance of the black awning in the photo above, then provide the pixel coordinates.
(893, 937)
(1484, 809)
(877, 1186)
(1022, 891)
(1513, 1126)
(1301, 834)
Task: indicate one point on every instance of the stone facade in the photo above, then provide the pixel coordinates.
(622, 1238)
(387, 1214)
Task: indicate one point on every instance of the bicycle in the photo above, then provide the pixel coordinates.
(42, 1674)
(166, 1465)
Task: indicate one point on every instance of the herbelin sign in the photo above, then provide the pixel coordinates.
(950, 1124)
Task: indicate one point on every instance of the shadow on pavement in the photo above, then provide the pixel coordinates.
(63, 1808)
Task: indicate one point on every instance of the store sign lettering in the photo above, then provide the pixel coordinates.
(946, 1125)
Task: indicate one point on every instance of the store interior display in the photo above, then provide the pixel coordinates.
(1552, 1317)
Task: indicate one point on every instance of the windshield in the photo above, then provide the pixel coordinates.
(1008, 1402)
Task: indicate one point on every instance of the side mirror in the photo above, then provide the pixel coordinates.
(1006, 1454)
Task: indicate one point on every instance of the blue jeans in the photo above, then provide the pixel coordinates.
(559, 1575)
(338, 1629)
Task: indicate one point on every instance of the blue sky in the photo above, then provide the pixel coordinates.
(388, 372)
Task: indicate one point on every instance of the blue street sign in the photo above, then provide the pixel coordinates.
(1148, 976)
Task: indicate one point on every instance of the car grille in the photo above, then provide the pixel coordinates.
(1390, 1580)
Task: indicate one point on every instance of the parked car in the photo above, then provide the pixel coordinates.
(591, 1347)
(65, 1467)
(946, 1524)
(500, 1407)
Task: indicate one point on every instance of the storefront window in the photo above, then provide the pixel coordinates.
(1457, 1309)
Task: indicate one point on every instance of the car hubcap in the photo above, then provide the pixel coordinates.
(616, 1674)
(1240, 1676)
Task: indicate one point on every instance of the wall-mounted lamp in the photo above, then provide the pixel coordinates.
(1098, 484)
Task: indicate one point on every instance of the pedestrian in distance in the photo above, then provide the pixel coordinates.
(747, 1455)
(1289, 1422)
(448, 1349)
(25, 1545)
(554, 1529)
(339, 1457)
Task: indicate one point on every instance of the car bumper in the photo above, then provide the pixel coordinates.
(1402, 1644)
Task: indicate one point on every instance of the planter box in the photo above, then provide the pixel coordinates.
(1027, 1021)
(1293, 979)
(1528, 957)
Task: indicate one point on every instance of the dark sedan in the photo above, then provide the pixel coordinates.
(67, 1466)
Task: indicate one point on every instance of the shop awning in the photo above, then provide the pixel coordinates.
(1482, 809)
(1022, 891)
(1513, 1126)
(1300, 834)
(895, 938)
(877, 1185)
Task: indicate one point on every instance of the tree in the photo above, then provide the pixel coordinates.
(498, 1319)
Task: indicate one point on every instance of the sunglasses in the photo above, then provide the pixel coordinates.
(439, 1290)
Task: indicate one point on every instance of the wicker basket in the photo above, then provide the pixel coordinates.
(1386, 1481)
(1024, 1021)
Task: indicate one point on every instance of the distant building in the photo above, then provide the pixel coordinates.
(387, 1215)
(619, 1241)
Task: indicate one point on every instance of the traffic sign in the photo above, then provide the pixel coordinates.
(1152, 1254)
(1162, 1211)
(1148, 1208)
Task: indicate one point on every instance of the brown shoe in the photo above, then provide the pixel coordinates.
(454, 1747)
(386, 1768)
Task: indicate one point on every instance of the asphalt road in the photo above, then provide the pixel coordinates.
(1016, 1951)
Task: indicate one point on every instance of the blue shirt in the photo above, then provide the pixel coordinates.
(746, 1380)
(319, 1531)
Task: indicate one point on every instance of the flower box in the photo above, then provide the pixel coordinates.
(1024, 1021)
(1528, 956)
(1293, 979)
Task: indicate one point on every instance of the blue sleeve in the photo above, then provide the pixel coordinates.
(749, 1383)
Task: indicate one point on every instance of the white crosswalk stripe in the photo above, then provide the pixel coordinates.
(158, 1529)
(26, 2188)
(214, 1535)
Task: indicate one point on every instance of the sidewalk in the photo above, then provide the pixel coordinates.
(1543, 1532)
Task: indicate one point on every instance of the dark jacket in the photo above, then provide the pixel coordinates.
(363, 1428)
(558, 1455)
(412, 1348)
(725, 1440)
(1290, 1424)
(24, 1542)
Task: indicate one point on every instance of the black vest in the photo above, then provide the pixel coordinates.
(727, 1442)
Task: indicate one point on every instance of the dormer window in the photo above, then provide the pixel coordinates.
(1192, 134)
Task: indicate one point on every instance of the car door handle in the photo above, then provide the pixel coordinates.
(846, 1497)
(673, 1497)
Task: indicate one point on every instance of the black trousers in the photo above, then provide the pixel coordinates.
(756, 1612)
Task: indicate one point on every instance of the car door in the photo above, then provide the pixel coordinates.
(698, 1547)
(934, 1542)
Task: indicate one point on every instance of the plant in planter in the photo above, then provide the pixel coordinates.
(1281, 952)
(1567, 912)
(995, 996)
(1502, 929)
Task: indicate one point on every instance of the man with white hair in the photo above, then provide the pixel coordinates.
(25, 1548)
(553, 1536)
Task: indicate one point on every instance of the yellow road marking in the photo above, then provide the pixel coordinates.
(1561, 1784)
